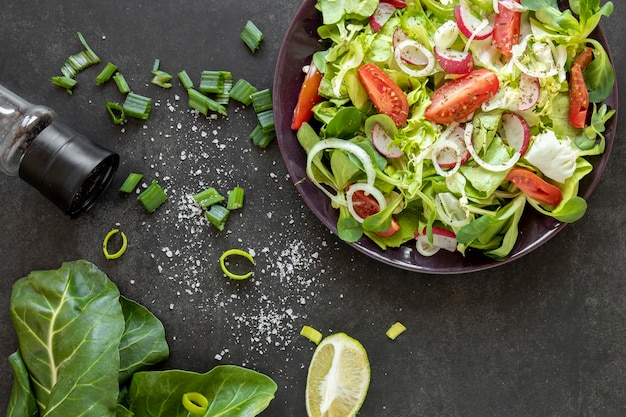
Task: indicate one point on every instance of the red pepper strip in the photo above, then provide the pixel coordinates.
(308, 97)
(578, 94)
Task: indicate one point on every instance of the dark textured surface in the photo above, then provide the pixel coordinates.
(541, 336)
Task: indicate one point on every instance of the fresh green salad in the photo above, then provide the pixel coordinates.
(441, 121)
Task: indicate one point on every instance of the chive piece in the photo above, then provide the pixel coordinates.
(252, 36)
(80, 60)
(105, 245)
(156, 65)
(203, 104)
(235, 198)
(106, 73)
(137, 106)
(211, 82)
(241, 91)
(266, 120)
(130, 183)
(185, 80)
(152, 197)
(64, 81)
(208, 197)
(162, 79)
(217, 216)
(91, 54)
(121, 83)
(260, 138)
(223, 98)
(262, 100)
(116, 111)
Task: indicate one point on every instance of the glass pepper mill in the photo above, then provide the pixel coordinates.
(63, 165)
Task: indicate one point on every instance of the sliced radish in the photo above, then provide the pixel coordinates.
(516, 132)
(442, 239)
(409, 52)
(529, 92)
(446, 35)
(398, 36)
(454, 62)
(470, 25)
(381, 16)
(384, 143)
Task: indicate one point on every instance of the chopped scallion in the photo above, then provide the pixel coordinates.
(185, 80)
(116, 111)
(266, 120)
(105, 245)
(121, 83)
(79, 61)
(203, 104)
(395, 330)
(106, 73)
(241, 91)
(260, 138)
(235, 198)
(162, 79)
(137, 106)
(208, 197)
(312, 334)
(252, 36)
(262, 100)
(156, 65)
(195, 403)
(224, 97)
(152, 197)
(130, 183)
(235, 252)
(211, 82)
(217, 216)
(64, 82)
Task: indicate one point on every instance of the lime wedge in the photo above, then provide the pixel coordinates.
(338, 379)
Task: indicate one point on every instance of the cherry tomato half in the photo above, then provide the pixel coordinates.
(365, 205)
(578, 94)
(535, 187)
(456, 100)
(307, 98)
(385, 94)
(506, 28)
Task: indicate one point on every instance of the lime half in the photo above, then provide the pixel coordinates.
(338, 379)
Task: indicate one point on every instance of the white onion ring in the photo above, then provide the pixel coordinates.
(367, 189)
(409, 43)
(469, 128)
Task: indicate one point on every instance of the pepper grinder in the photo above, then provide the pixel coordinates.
(64, 166)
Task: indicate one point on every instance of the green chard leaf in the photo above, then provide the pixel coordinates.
(22, 401)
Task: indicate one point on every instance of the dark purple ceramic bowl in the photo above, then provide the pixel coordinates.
(300, 42)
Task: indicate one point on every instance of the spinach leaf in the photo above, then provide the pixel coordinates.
(69, 323)
(232, 391)
(143, 342)
(22, 401)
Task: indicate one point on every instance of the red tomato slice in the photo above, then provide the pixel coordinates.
(385, 94)
(535, 187)
(400, 4)
(456, 100)
(307, 98)
(578, 94)
(365, 205)
(506, 29)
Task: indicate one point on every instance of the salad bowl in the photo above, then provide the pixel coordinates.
(535, 229)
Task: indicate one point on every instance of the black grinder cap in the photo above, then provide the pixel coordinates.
(67, 168)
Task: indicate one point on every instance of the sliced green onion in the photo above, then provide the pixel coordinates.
(152, 197)
(235, 198)
(235, 252)
(130, 183)
(156, 65)
(121, 83)
(395, 330)
(260, 138)
(241, 91)
(211, 82)
(79, 61)
(195, 403)
(137, 106)
(208, 197)
(266, 120)
(224, 97)
(185, 80)
(106, 73)
(92, 55)
(64, 82)
(105, 245)
(252, 36)
(217, 216)
(203, 104)
(162, 79)
(116, 111)
(262, 100)
(312, 334)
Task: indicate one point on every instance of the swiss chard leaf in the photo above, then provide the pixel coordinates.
(231, 391)
(22, 401)
(69, 323)
(143, 342)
